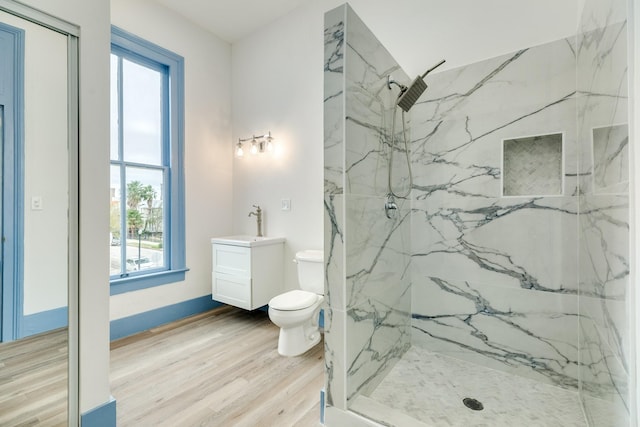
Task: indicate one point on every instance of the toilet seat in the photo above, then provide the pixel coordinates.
(293, 300)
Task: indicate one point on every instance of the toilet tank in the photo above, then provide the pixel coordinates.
(311, 270)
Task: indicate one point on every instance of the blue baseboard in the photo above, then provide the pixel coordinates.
(101, 416)
(150, 319)
(44, 321)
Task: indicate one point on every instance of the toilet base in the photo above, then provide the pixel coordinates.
(297, 340)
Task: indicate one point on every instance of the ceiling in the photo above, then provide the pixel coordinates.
(231, 20)
(418, 33)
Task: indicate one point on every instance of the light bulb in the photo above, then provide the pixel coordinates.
(254, 147)
(239, 150)
(269, 143)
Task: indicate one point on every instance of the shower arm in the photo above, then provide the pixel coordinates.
(402, 87)
(433, 68)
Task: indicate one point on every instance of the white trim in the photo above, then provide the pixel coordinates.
(39, 17)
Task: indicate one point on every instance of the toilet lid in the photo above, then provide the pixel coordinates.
(293, 300)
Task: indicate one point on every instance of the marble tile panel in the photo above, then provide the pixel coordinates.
(334, 93)
(524, 332)
(611, 159)
(604, 246)
(601, 13)
(538, 76)
(466, 113)
(611, 318)
(334, 357)
(366, 159)
(602, 374)
(602, 60)
(377, 250)
(482, 240)
(334, 146)
(368, 108)
(464, 157)
(375, 59)
(334, 241)
(379, 333)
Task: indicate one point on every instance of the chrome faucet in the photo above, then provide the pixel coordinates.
(258, 214)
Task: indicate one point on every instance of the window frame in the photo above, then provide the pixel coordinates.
(148, 54)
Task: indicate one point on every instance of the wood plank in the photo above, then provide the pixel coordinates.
(219, 368)
(33, 380)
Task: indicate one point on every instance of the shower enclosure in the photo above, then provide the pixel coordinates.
(503, 277)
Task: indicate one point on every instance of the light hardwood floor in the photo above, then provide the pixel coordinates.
(219, 368)
(33, 380)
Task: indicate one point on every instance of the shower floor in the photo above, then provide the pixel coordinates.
(427, 389)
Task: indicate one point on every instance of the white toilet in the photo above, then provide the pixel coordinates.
(296, 312)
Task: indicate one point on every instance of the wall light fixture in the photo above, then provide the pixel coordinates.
(259, 144)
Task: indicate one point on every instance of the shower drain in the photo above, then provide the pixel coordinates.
(474, 404)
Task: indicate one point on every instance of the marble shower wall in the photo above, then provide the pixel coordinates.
(604, 212)
(367, 256)
(495, 275)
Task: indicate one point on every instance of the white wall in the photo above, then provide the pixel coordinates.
(207, 145)
(46, 171)
(45, 167)
(278, 86)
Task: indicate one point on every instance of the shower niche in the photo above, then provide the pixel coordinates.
(532, 166)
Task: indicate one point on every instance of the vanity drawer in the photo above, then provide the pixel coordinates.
(247, 271)
(232, 260)
(232, 290)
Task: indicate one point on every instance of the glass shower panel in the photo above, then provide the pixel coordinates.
(368, 254)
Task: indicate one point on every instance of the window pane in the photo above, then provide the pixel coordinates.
(115, 223)
(142, 114)
(144, 224)
(115, 120)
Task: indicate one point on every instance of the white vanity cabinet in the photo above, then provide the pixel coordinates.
(247, 270)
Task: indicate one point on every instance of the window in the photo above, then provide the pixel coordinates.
(147, 186)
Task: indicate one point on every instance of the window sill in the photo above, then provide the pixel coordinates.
(135, 283)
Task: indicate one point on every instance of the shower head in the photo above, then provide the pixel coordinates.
(410, 95)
